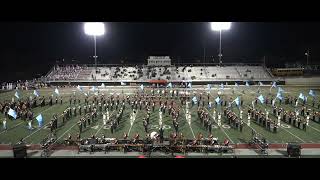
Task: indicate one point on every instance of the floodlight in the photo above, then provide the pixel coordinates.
(94, 28)
(219, 26)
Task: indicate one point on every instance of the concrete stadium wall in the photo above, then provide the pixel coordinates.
(306, 81)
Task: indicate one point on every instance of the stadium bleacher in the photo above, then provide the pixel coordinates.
(169, 73)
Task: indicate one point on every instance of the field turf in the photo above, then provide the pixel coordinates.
(17, 129)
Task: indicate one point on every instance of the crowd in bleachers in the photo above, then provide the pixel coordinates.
(145, 73)
(65, 72)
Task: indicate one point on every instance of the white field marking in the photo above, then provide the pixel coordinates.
(314, 128)
(189, 124)
(288, 131)
(12, 127)
(220, 128)
(23, 122)
(132, 122)
(42, 126)
(38, 130)
(293, 134)
(102, 123)
(65, 132)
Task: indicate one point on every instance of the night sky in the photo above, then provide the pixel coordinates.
(30, 49)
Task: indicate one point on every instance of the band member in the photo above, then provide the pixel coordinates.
(145, 125)
(4, 124)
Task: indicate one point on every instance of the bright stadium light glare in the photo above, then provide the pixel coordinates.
(94, 28)
(218, 26)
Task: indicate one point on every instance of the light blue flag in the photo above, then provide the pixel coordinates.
(280, 89)
(209, 86)
(102, 85)
(122, 83)
(247, 83)
(279, 95)
(312, 93)
(169, 85)
(222, 86)
(17, 95)
(301, 96)
(209, 105)
(93, 89)
(80, 88)
(194, 99)
(237, 100)
(36, 93)
(56, 91)
(236, 84)
(12, 113)
(217, 100)
(189, 85)
(260, 83)
(39, 119)
(274, 84)
(141, 87)
(261, 99)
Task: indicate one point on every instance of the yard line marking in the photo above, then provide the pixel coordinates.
(293, 135)
(314, 128)
(220, 128)
(12, 127)
(41, 127)
(286, 129)
(65, 132)
(189, 124)
(102, 123)
(132, 122)
(48, 122)
(23, 122)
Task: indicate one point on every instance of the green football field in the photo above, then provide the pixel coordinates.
(17, 129)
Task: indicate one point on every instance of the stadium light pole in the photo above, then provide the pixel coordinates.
(220, 26)
(307, 54)
(94, 29)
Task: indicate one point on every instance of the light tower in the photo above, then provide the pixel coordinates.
(94, 29)
(220, 26)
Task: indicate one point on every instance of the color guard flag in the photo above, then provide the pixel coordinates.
(221, 86)
(17, 95)
(122, 83)
(194, 99)
(236, 84)
(260, 83)
(36, 93)
(169, 85)
(79, 88)
(261, 99)
(301, 96)
(12, 113)
(279, 95)
(209, 86)
(217, 100)
(311, 93)
(93, 89)
(280, 89)
(274, 84)
(209, 105)
(102, 85)
(141, 87)
(237, 100)
(56, 91)
(189, 85)
(247, 83)
(39, 119)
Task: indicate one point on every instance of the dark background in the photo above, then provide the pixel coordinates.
(30, 49)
